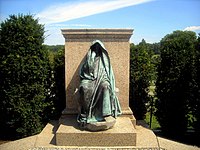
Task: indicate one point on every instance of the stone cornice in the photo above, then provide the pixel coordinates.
(111, 35)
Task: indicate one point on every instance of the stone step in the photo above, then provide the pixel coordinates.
(122, 134)
(97, 148)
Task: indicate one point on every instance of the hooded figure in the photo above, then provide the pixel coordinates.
(97, 88)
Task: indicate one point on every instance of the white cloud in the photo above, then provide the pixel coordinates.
(73, 10)
(53, 33)
(69, 25)
(54, 16)
(55, 39)
(192, 28)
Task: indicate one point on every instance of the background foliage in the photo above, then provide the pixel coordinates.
(175, 83)
(142, 73)
(24, 76)
(59, 99)
(195, 93)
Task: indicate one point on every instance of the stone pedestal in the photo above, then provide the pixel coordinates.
(77, 44)
(122, 134)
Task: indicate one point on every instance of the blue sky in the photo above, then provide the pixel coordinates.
(150, 19)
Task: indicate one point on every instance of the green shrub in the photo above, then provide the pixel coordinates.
(195, 93)
(59, 80)
(141, 73)
(174, 82)
(24, 76)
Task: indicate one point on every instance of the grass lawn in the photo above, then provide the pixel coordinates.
(154, 123)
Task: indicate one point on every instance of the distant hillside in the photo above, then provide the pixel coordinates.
(55, 48)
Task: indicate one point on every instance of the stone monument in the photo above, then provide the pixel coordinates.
(77, 43)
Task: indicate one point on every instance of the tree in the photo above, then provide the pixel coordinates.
(57, 61)
(59, 79)
(54, 48)
(174, 81)
(24, 76)
(195, 92)
(141, 70)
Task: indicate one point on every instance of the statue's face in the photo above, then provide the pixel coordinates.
(97, 49)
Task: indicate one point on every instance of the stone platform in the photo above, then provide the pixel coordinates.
(122, 134)
(146, 140)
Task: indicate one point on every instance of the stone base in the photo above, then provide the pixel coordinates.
(100, 126)
(128, 113)
(122, 134)
(125, 113)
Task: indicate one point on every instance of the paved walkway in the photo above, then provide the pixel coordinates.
(146, 139)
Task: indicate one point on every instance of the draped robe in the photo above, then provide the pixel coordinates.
(97, 88)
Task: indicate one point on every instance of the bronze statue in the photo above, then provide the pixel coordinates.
(99, 105)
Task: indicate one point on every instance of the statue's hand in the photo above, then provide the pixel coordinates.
(93, 77)
(91, 74)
